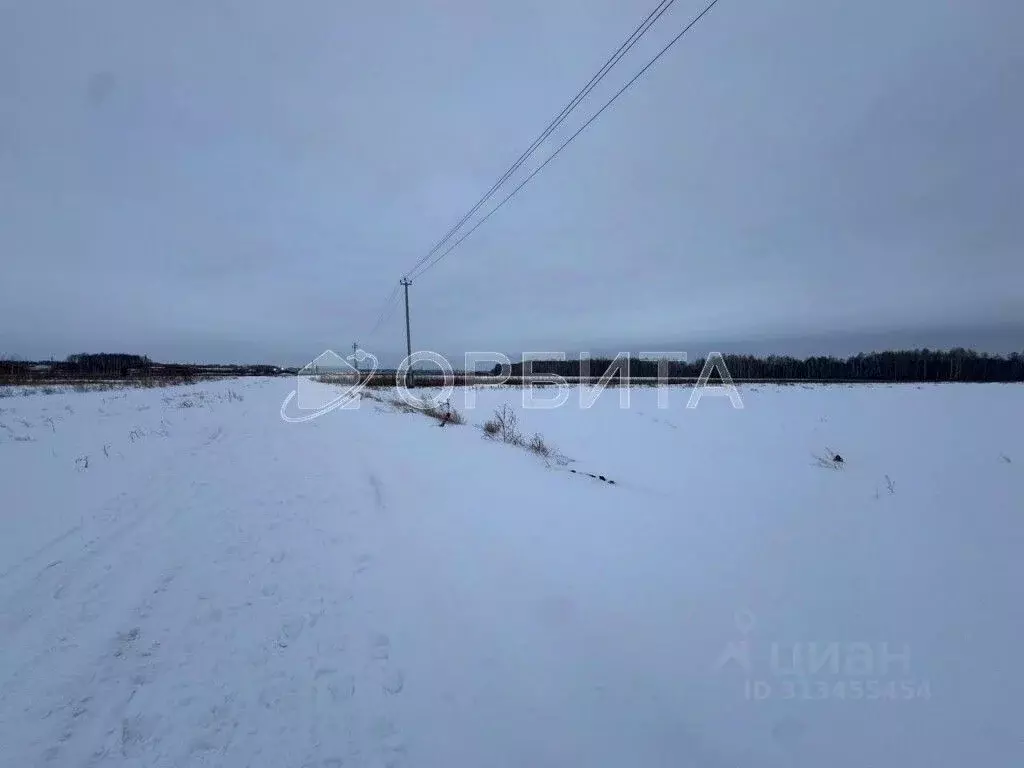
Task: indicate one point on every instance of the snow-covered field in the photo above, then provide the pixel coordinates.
(186, 579)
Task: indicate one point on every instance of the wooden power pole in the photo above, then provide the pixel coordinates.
(406, 282)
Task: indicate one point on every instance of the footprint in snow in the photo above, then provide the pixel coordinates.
(380, 647)
(269, 590)
(393, 682)
(342, 688)
(125, 640)
(335, 688)
(290, 631)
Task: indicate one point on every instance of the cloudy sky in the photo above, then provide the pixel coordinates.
(247, 180)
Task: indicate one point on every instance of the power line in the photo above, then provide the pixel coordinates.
(567, 142)
(386, 311)
(624, 48)
(391, 311)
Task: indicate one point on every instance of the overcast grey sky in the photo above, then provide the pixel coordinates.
(247, 179)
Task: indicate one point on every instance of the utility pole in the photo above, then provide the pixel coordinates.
(406, 282)
(355, 358)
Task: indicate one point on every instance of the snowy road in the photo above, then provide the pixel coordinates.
(187, 580)
(224, 593)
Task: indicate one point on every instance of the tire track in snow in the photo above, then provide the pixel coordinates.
(378, 491)
(75, 625)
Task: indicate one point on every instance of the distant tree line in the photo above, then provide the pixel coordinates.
(105, 364)
(916, 365)
(118, 366)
